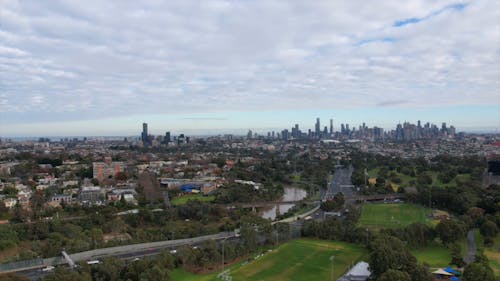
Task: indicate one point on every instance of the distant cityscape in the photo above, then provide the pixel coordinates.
(403, 132)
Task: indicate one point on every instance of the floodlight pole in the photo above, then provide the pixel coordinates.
(331, 272)
(223, 243)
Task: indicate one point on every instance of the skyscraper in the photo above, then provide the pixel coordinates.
(144, 134)
(166, 139)
(317, 128)
(331, 127)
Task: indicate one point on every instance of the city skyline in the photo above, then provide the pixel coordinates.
(100, 68)
(156, 126)
(419, 128)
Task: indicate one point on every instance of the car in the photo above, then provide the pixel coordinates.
(174, 251)
(48, 268)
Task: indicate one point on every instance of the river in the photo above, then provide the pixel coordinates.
(291, 194)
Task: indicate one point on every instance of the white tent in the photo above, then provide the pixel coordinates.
(442, 272)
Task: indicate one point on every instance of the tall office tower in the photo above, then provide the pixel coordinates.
(325, 131)
(331, 127)
(399, 132)
(285, 134)
(166, 139)
(342, 128)
(452, 131)
(443, 128)
(249, 134)
(317, 128)
(144, 134)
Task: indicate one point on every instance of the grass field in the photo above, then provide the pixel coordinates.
(183, 199)
(302, 259)
(393, 215)
(435, 255)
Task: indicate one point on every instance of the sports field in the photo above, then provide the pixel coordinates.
(393, 215)
(302, 259)
(183, 199)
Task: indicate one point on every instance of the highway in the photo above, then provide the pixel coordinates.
(123, 252)
(341, 183)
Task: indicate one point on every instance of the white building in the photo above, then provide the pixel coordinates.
(359, 272)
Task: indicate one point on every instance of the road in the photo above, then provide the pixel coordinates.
(124, 252)
(471, 247)
(341, 183)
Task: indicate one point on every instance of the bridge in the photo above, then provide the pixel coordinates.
(261, 204)
(376, 197)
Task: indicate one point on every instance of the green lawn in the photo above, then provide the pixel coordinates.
(393, 215)
(435, 255)
(302, 259)
(183, 199)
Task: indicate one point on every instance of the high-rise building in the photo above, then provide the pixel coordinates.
(167, 139)
(144, 134)
(331, 127)
(317, 128)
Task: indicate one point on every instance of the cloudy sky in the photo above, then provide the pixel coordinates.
(104, 67)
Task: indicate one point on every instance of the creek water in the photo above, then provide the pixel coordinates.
(291, 194)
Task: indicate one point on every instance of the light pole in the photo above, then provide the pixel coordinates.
(223, 243)
(331, 272)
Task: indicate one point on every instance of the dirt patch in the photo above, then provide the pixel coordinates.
(9, 253)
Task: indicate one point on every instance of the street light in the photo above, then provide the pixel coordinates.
(331, 272)
(223, 243)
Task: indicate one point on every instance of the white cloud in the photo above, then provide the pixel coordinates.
(115, 58)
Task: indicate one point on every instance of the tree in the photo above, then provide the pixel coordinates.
(120, 176)
(450, 231)
(156, 272)
(380, 182)
(249, 237)
(64, 274)
(8, 237)
(456, 255)
(110, 269)
(424, 179)
(478, 272)
(95, 236)
(388, 252)
(12, 277)
(421, 273)
(392, 275)
(419, 234)
(489, 229)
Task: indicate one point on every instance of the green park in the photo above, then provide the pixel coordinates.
(393, 215)
(302, 259)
